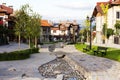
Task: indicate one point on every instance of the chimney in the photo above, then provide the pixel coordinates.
(4, 4)
(110, 1)
(11, 7)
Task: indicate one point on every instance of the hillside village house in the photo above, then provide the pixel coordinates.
(113, 16)
(6, 20)
(65, 30)
(59, 32)
(45, 31)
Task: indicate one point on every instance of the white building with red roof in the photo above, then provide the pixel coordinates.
(113, 15)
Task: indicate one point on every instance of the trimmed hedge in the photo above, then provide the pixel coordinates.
(18, 55)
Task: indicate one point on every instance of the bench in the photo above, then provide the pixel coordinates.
(87, 48)
(102, 50)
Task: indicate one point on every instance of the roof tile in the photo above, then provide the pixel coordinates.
(45, 23)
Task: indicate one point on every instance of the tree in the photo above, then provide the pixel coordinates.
(105, 8)
(3, 35)
(37, 28)
(109, 32)
(22, 18)
(81, 35)
(117, 26)
(27, 24)
(87, 26)
(28, 30)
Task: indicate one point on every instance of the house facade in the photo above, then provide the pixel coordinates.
(65, 30)
(6, 20)
(113, 15)
(59, 32)
(45, 31)
(5, 13)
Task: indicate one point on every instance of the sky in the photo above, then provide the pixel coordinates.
(57, 10)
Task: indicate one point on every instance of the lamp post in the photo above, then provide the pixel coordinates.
(90, 21)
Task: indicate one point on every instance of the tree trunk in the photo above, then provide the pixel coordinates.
(19, 41)
(36, 42)
(74, 35)
(87, 36)
(29, 41)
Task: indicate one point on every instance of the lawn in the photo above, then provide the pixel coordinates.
(112, 53)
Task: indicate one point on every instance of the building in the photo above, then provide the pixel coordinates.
(113, 15)
(45, 31)
(65, 31)
(5, 14)
(6, 20)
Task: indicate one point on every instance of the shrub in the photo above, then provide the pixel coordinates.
(117, 25)
(18, 55)
(110, 32)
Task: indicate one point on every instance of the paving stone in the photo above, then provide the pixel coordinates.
(58, 67)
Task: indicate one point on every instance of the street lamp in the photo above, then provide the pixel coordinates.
(90, 20)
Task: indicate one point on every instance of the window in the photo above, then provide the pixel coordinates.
(118, 14)
(54, 31)
(63, 31)
(1, 18)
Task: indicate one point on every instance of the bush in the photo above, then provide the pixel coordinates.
(18, 55)
(110, 32)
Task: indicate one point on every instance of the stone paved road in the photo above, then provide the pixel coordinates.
(92, 67)
(27, 66)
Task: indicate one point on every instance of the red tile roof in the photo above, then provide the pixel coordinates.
(2, 10)
(98, 9)
(116, 2)
(8, 9)
(55, 28)
(45, 23)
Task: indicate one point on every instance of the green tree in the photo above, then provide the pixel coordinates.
(109, 32)
(82, 35)
(27, 24)
(117, 26)
(36, 25)
(28, 30)
(22, 18)
(105, 8)
(87, 26)
(3, 34)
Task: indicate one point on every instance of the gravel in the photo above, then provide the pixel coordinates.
(57, 67)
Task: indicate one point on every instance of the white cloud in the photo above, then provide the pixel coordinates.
(74, 5)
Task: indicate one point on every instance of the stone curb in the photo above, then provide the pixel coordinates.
(85, 74)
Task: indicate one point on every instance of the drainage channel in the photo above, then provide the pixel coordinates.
(59, 66)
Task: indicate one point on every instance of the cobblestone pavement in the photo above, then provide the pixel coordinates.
(13, 46)
(59, 66)
(28, 68)
(92, 67)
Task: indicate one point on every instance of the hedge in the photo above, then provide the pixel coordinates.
(18, 55)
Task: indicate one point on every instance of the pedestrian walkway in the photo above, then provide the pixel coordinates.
(13, 46)
(24, 69)
(92, 67)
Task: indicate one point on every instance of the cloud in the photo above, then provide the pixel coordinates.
(75, 6)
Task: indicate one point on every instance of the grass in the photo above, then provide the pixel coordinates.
(112, 53)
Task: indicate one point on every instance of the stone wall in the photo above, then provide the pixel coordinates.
(85, 74)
